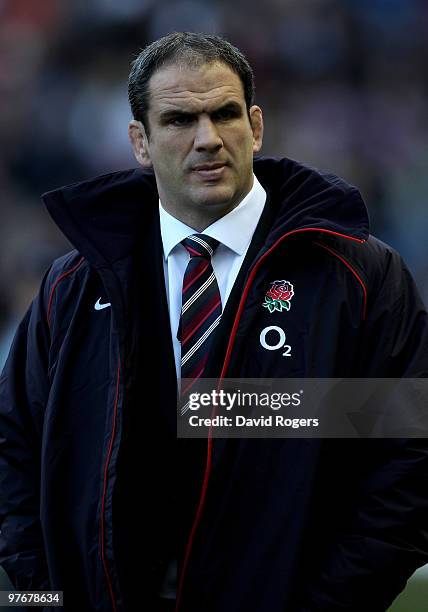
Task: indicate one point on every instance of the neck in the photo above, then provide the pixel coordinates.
(200, 217)
(198, 220)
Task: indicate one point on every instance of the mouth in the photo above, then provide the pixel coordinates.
(209, 171)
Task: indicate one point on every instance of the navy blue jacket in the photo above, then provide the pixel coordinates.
(96, 494)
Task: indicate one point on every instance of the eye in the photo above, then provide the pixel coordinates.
(181, 120)
(223, 114)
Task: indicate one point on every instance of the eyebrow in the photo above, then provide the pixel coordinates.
(170, 114)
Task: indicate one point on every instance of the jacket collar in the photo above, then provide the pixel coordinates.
(103, 217)
(308, 198)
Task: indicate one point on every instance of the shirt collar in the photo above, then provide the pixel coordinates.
(235, 230)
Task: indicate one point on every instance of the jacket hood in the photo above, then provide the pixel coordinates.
(103, 217)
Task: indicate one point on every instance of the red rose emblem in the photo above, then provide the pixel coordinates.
(283, 291)
(279, 295)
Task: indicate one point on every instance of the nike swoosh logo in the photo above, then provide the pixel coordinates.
(99, 306)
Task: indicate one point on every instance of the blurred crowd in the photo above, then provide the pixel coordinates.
(343, 86)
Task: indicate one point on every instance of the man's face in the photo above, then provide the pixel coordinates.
(201, 140)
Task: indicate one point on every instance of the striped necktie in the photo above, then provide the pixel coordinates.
(201, 306)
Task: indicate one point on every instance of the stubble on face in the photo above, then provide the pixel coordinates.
(201, 141)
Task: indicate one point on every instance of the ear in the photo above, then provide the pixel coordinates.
(256, 120)
(138, 137)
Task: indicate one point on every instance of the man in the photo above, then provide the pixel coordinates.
(96, 500)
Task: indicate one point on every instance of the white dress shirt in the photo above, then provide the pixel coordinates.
(234, 231)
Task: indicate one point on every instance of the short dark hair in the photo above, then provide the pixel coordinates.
(192, 49)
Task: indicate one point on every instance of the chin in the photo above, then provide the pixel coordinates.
(216, 196)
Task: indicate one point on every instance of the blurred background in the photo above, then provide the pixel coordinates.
(343, 85)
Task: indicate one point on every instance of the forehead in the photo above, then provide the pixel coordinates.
(194, 89)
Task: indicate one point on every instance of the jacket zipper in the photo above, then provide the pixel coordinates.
(223, 374)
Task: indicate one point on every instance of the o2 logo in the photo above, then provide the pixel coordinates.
(273, 338)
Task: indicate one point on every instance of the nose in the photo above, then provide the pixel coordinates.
(207, 137)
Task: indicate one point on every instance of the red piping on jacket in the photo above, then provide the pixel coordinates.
(104, 561)
(354, 272)
(116, 401)
(58, 280)
(222, 375)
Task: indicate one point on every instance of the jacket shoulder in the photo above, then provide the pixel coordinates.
(68, 267)
(372, 258)
(65, 262)
(64, 266)
(382, 270)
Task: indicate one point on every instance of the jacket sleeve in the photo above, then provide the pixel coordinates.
(386, 538)
(23, 397)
